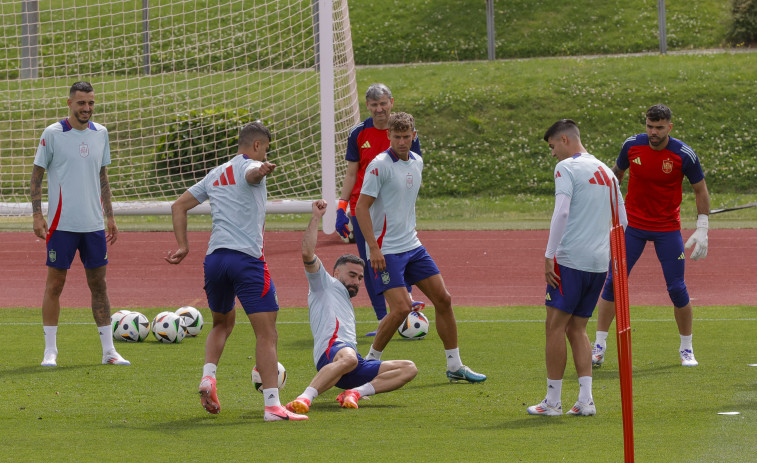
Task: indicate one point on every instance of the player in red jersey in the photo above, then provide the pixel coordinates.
(658, 163)
(366, 141)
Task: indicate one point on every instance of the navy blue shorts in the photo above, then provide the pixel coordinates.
(403, 269)
(365, 371)
(230, 274)
(577, 292)
(62, 247)
(669, 248)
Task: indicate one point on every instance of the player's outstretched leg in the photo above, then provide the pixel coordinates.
(545, 408)
(581, 409)
(279, 413)
(348, 398)
(209, 395)
(299, 405)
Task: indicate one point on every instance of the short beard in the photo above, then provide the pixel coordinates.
(352, 290)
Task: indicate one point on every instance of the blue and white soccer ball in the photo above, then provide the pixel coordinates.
(133, 327)
(257, 382)
(415, 326)
(192, 319)
(168, 327)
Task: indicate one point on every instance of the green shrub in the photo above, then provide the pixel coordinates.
(743, 29)
(196, 142)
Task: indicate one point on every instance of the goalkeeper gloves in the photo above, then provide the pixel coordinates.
(342, 222)
(698, 239)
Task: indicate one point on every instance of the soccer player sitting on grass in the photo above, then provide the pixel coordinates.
(332, 321)
(386, 214)
(576, 260)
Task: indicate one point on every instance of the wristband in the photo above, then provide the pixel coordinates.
(703, 221)
(343, 203)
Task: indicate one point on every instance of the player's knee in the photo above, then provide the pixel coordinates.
(679, 295)
(409, 369)
(347, 363)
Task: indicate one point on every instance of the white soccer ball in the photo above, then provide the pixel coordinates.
(117, 316)
(192, 319)
(133, 327)
(168, 327)
(257, 383)
(415, 326)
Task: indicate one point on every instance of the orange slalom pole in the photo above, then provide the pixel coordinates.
(622, 324)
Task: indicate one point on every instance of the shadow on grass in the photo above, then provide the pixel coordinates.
(37, 369)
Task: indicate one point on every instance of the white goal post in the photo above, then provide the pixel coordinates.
(174, 82)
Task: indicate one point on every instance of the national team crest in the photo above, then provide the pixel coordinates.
(51, 255)
(83, 150)
(385, 278)
(409, 180)
(667, 166)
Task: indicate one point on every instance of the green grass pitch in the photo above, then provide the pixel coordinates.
(84, 411)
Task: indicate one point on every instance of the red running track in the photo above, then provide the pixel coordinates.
(480, 268)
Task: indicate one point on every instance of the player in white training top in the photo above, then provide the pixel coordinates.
(332, 321)
(576, 261)
(234, 264)
(75, 153)
(396, 257)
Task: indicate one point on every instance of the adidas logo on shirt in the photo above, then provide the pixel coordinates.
(637, 161)
(375, 172)
(366, 145)
(227, 178)
(682, 256)
(557, 175)
(600, 178)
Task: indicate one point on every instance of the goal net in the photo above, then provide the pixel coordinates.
(174, 82)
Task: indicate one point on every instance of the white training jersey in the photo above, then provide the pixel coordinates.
(73, 159)
(332, 317)
(395, 184)
(237, 208)
(585, 245)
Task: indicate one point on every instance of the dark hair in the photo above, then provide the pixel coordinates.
(563, 125)
(349, 258)
(659, 112)
(401, 122)
(80, 86)
(252, 132)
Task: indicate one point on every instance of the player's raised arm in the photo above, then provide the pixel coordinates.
(310, 238)
(179, 217)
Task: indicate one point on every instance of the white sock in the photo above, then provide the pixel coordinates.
(554, 391)
(51, 338)
(310, 394)
(271, 397)
(209, 369)
(106, 338)
(584, 389)
(686, 342)
(453, 359)
(365, 390)
(374, 354)
(601, 338)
